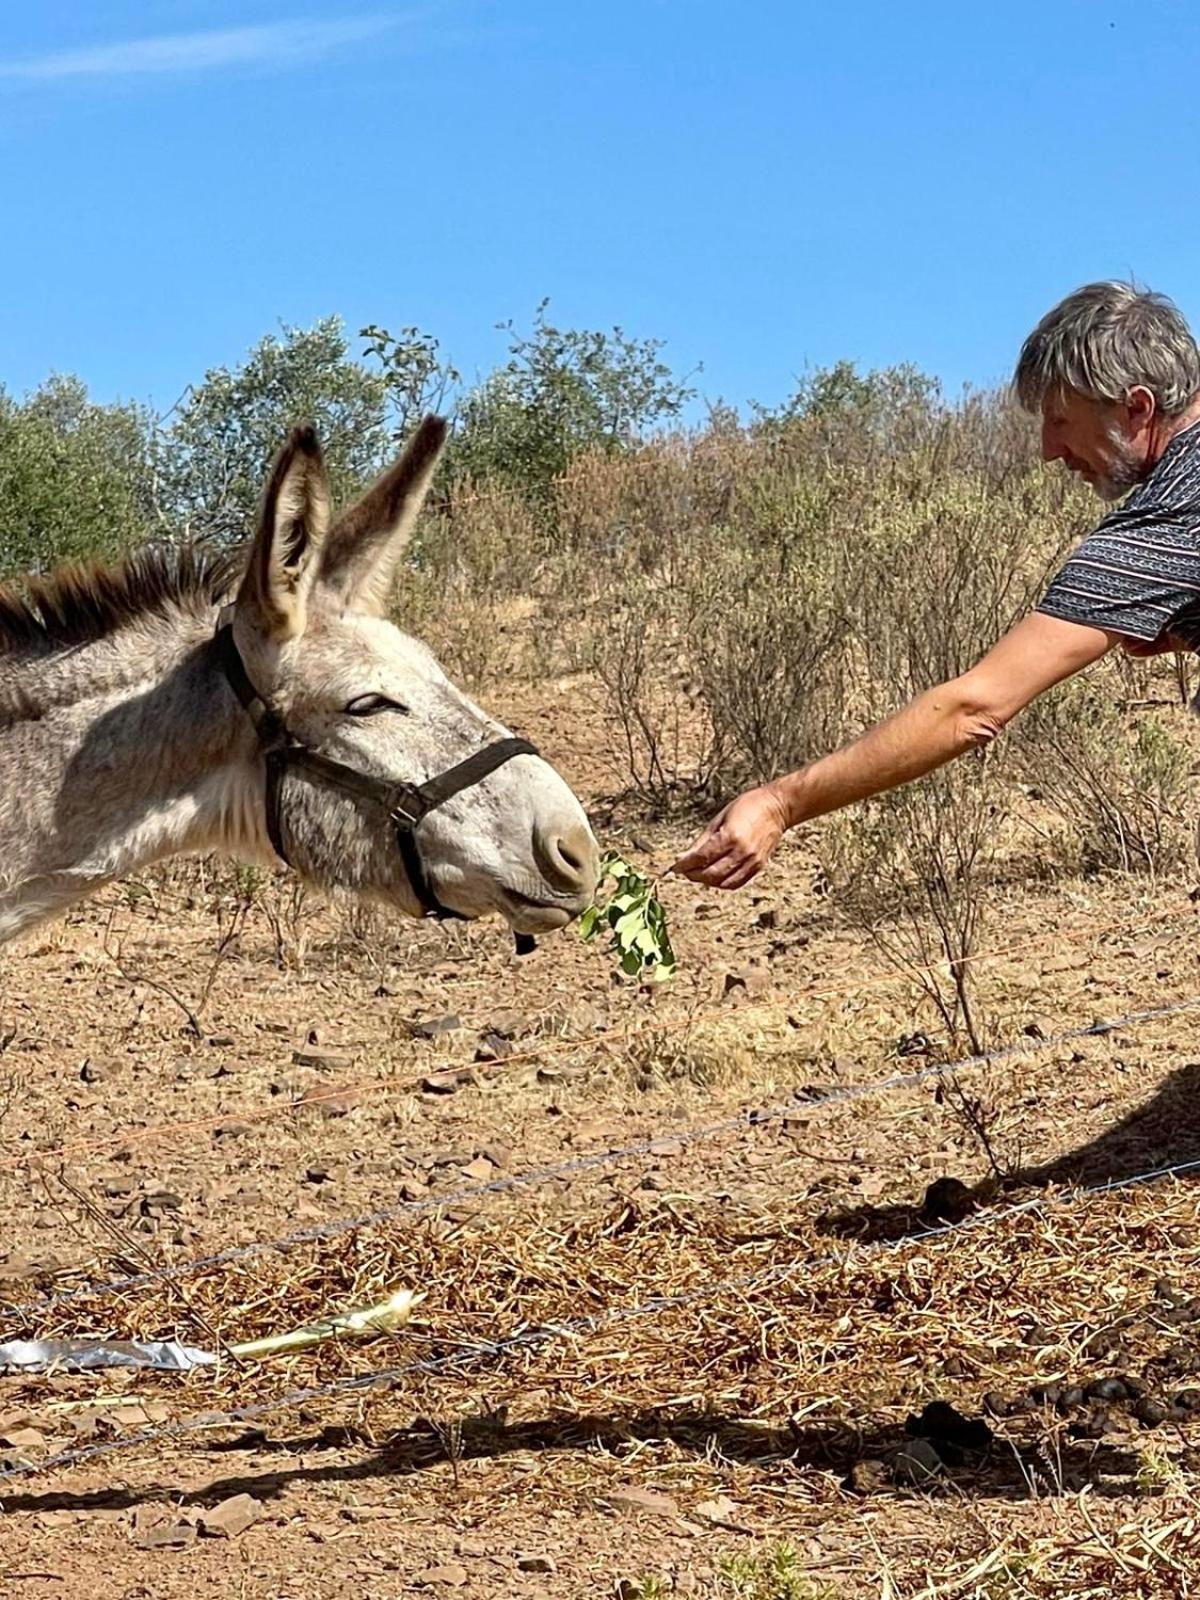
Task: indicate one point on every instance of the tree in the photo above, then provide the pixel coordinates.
(217, 450)
(76, 478)
(563, 391)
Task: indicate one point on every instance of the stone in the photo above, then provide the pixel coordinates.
(537, 1563)
(231, 1518)
(322, 1060)
(499, 1155)
(166, 1536)
(479, 1170)
(452, 1575)
(25, 1442)
(650, 1501)
(441, 1083)
(435, 1027)
(868, 1477)
(918, 1463)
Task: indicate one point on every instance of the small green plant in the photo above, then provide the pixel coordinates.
(772, 1575)
(635, 917)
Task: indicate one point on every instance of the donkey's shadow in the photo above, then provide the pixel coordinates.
(1162, 1132)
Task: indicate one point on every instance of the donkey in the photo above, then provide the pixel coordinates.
(191, 701)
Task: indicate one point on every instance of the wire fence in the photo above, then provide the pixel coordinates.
(756, 1117)
(547, 1049)
(470, 1354)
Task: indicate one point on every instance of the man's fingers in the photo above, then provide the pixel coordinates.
(708, 849)
(742, 874)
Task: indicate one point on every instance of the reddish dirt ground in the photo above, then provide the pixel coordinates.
(178, 1078)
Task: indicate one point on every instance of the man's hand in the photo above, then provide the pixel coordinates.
(736, 844)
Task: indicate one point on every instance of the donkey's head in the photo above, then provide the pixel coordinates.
(310, 628)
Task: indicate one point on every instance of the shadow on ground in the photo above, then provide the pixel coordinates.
(1004, 1472)
(1162, 1132)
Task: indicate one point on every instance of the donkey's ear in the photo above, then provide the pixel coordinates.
(292, 527)
(367, 541)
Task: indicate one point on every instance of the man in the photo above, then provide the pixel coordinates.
(1115, 374)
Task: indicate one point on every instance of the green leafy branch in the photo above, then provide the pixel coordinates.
(634, 916)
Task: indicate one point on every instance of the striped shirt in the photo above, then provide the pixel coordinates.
(1138, 573)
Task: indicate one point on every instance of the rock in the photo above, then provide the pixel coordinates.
(1107, 1389)
(947, 1200)
(1150, 1413)
(435, 1027)
(322, 1060)
(120, 1188)
(996, 1404)
(499, 1155)
(91, 1072)
(648, 1500)
(411, 1192)
(316, 1174)
(442, 1083)
(493, 1047)
(453, 1575)
(231, 1518)
(537, 1563)
(941, 1422)
(918, 1463)
(166, 1536)
(868, 1477)
(720, 1510)
(510, 1025)
(25, 1443)
(479, 1171)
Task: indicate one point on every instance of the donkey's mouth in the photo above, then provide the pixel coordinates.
(525, 914)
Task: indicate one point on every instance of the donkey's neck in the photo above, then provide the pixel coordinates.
(114, 754)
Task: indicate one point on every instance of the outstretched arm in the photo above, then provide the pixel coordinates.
(966, 713)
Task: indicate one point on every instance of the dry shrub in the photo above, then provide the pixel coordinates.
(472, 564)
(1117, 778)
(910, 868)
(770, 665)
(672, 754)
(945, 567)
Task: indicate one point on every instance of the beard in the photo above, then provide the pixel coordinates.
(1123, 473)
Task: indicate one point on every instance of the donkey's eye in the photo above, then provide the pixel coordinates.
(370, 705)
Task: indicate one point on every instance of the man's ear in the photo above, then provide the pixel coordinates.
(367, 541)
(1141, 406)
(292, 527)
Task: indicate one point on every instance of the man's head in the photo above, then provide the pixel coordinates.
(1112, 371)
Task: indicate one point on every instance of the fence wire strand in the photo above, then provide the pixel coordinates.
(528, 1339)
(833, 1094)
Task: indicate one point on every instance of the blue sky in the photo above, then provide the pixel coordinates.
(766, 186)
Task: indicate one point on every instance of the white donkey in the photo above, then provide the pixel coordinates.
(169, 705)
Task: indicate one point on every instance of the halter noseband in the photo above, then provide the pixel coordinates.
(405, 803)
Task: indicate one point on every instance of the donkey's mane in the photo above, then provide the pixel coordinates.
(83, 603)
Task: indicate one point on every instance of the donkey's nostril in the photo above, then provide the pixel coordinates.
(569, 859)
(572, 857)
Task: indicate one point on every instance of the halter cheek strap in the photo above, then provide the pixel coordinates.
(405, 803)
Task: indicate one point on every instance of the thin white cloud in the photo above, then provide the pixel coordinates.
(272, 44)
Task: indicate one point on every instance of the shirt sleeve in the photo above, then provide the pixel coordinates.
(1137, 574)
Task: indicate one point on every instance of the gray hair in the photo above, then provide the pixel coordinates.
(1106, 339)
